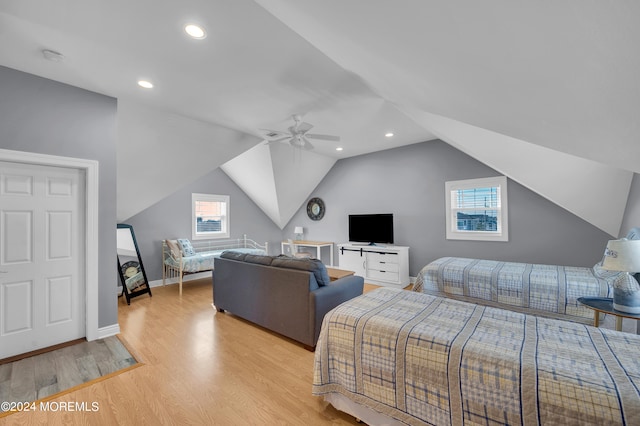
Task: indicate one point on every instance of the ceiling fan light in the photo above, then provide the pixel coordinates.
(195, 31)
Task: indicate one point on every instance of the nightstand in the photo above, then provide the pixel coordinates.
(605, 305)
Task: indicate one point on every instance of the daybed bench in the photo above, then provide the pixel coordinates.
(181, 256)
(399, 357)
(287, 295)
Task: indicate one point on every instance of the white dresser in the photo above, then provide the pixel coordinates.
(385, 265)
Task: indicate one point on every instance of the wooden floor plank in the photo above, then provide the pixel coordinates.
(5, 372)
(45, 371)
(67, 369)
(88, 368)
(23, 386)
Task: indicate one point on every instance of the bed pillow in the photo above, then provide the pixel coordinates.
(186, 247)
(174, 248)
(312, 265)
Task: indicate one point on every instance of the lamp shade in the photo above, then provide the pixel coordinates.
(622, 255)
(298, 230)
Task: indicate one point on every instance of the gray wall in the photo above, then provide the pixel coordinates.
(43, 116)
(171, 218)
(409, 182)
(632, 212)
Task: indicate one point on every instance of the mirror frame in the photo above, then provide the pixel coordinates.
(142, 288)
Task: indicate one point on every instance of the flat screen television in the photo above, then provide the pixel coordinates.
(371, 228)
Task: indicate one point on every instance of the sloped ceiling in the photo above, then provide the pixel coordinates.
(553, 83)
(569, 181)
(558, 74)
(159, 151)
(546, 86)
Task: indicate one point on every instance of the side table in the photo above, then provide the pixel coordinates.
(318, 245)
(605, 305)
(335, 273)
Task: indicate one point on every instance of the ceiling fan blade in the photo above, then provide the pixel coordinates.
(279, 139)
(274, 134)
(304, 127)
(307, 145)
(324, 137)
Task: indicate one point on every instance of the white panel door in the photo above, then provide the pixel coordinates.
(42, 289)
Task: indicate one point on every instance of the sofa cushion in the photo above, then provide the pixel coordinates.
(312, 265)
(231, 254)
(259, 259)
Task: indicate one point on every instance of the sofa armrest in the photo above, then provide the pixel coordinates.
(327, 297)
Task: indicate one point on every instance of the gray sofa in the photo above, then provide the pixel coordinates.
(283, 294)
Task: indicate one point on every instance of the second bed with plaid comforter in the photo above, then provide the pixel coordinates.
(422, 359)
(550, 290)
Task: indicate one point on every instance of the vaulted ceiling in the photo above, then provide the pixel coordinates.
(544, 92)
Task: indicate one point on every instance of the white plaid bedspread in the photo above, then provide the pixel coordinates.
(551, 290)
(430, 360)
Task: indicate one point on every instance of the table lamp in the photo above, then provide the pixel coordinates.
(299, 231)
(624, 255)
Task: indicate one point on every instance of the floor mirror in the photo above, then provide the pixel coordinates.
(130, 268)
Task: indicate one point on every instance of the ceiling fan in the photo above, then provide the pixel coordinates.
(297, 135)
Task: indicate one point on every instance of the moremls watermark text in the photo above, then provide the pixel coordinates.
(52, 406)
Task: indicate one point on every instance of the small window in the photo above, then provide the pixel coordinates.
(477, 209)
(210, 216)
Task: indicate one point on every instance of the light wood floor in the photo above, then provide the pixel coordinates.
(201, 367)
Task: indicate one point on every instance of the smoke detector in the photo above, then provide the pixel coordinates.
(52, 55)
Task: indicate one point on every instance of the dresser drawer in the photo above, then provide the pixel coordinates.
(383, 257)
(383, 275)
(383, 266)
(380, 265)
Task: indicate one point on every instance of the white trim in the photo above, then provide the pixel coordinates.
(225, 232)
(92, 277)
(169, 281)
(108, 331)
(502, 234)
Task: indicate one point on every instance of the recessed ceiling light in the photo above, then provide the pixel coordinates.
(389, 134)
(339, 148)
(146, 84)
(195, 31)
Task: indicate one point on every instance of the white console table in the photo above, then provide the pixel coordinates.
(386, 265)
(318, 245)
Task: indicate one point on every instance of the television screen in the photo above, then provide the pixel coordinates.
(371, 228)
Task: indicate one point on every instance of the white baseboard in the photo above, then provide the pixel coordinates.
(186, 278)
(110, 330)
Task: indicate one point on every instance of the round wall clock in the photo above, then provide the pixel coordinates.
(315, 209)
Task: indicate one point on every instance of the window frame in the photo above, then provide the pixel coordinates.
(502, 233)
(225, 231)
